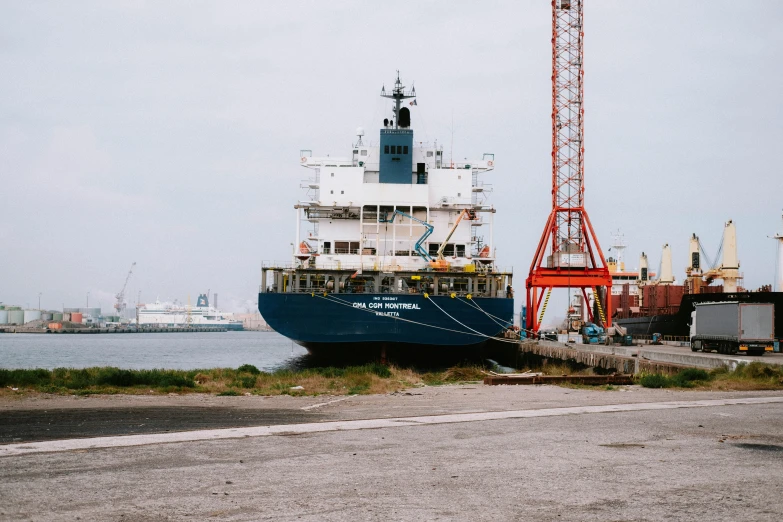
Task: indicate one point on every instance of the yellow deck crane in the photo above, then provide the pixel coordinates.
(439, 263)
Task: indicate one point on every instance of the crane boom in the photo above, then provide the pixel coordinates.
(471, 215)
(419, 244)
(120, 304)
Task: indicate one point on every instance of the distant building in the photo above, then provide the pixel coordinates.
(253, 321)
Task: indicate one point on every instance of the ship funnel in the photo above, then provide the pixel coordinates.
(404, 118)
(667, 276)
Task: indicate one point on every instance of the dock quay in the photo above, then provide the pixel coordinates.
(666, 358)
(157, 329)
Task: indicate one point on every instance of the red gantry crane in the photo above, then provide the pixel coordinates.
(568, 254)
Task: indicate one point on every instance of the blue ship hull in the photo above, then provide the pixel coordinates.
(337, 322)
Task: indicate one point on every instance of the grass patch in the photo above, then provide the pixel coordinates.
(752, 376)
(332, 380)
(655, 380)
(249, 368)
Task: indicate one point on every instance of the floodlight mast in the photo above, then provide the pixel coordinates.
(575, 258)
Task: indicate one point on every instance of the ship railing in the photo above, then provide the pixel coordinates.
(372, 266)
(385, 289)
(669, 338)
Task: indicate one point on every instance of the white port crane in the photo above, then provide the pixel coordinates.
(120, 304)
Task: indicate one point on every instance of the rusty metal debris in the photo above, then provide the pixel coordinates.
(558, 379)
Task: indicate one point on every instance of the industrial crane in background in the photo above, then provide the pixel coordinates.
(574, 257)
(120, 304)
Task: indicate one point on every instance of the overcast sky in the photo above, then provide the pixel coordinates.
(168, 133)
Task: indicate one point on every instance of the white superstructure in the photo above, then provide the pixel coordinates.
(172, 314)
(358, 208)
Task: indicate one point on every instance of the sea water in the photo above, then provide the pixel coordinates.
(184, 351)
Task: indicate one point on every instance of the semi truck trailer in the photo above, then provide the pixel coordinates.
(731, 327)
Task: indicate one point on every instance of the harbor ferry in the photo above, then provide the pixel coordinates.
(394, 249)
(177, 315)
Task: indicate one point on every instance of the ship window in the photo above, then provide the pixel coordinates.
(341, 247)
(331, 192)
(439, 153)
(327, 247)
(459, 177)
(405, 149)
(356, 152)
(364, 153)
(429, 153)
(459, 194)
(332, 174)
(460, 250)
(449, 250)
(385, 149)
(342, 192)
(399, 149)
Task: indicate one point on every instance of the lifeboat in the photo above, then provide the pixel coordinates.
(303, 252)
(484, 255)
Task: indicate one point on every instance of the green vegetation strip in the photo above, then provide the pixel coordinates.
(247, 379)
(753, 376)
(351, 380)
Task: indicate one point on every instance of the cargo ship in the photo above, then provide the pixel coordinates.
(661, 306)
(176, 315)
(390, 249)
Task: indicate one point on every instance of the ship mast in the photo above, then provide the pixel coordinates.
(398, 94)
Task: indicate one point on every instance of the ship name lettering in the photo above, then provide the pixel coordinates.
(402, 306)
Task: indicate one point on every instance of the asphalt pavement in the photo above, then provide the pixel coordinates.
(438, 453)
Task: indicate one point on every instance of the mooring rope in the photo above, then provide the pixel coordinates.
(472, 332)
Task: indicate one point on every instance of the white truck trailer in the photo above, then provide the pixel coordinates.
(730, 327)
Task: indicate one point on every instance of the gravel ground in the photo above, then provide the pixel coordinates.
(708, 463)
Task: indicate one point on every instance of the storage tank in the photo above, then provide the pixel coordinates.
(66, 316)
(3, 316)
(15, 317)
(46, 316)
(76, 317)
(31, 315)
(57, 317)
